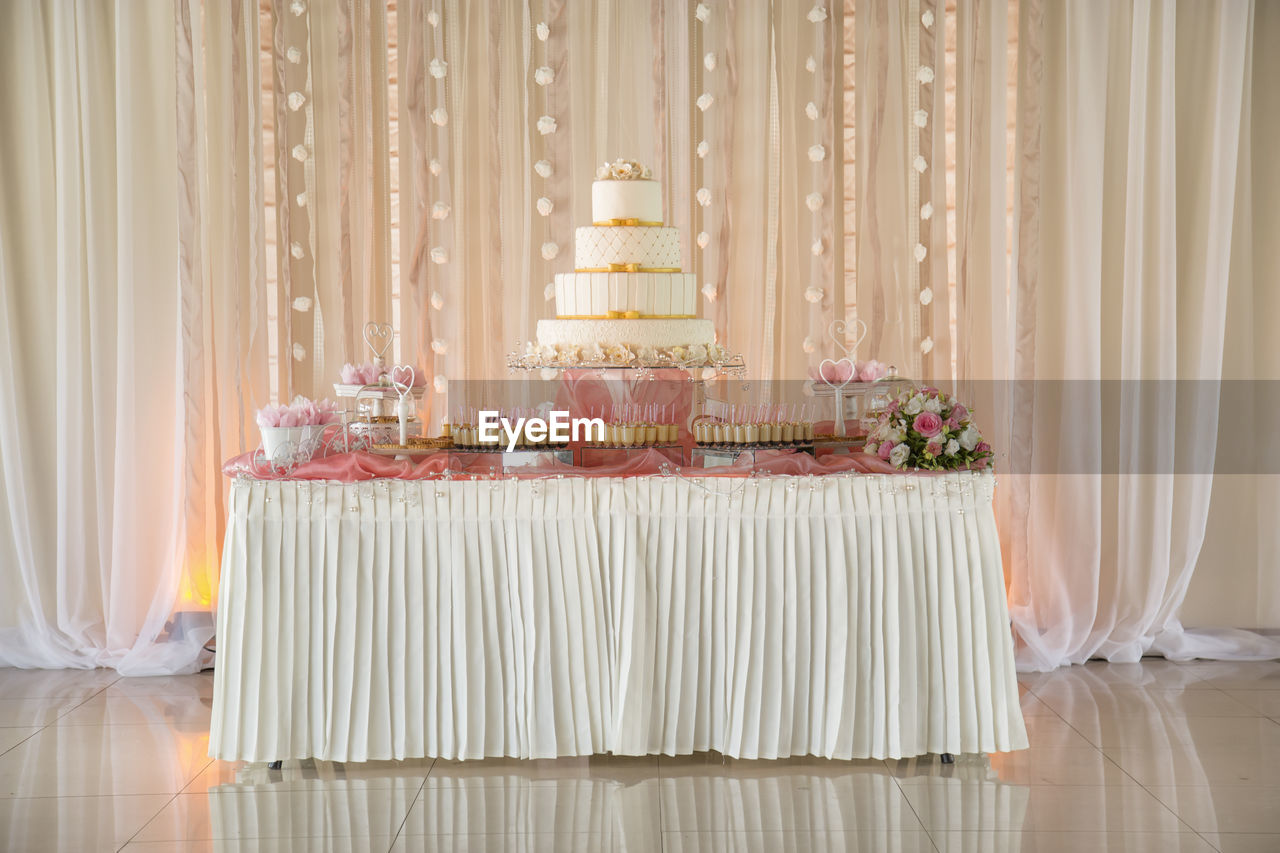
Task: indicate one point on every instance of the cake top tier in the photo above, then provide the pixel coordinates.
(625, 193)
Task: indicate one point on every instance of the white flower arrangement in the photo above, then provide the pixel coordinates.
(438, 68)
(813, 294)
(545, 206)
(817, 153)
(543, 168)
(703, 196)
(439, 116)
(925, 428)
(546, 125)
(814, 201)
(437, 301)
(439, 255)
(296, 100)
(811, 111)
(705, 100)
(542, 31)
(549, 251)
(439, 347)
(544, 76)
(702, 13)
(440, 210)
(817, 15)
(623, 170)
(709, 62)
(703, 148)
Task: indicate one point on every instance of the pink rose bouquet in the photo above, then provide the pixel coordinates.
(926, 428)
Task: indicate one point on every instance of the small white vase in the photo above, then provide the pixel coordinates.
(298, 444)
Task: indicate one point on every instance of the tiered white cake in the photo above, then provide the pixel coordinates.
(627, 300)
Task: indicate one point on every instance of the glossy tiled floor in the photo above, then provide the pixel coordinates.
(1132, 757)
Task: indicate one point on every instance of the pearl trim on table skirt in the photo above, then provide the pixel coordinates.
(839, 616)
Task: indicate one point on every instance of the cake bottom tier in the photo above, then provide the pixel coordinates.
(633, 334)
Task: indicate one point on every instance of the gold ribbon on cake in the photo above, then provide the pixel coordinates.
(625, 315)
(626, 268)
(627, 223)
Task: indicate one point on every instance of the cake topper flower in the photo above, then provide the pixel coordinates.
(623, 170)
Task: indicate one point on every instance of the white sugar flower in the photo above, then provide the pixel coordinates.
(924, 74)
(817, 153)
(705, 100)
(702, 12)
(549, 251)
(811, 65)
(809, 345)
(813, 201)
(811, 111)
(926, 346)
(296, 100)
(710, 292)
(440, 210)
(299, 153)
(542, 31)
(439, 116)
(295, 249)
(952, 448)
(294, 55)
(438, 68)
(817, 15)
(544, 76)
(302, 303)
(703, 148)
(709, 62)
(920, 252)
(926, 296)
(703, 196)
(549, 292)
(816, 248)
(899, 455)
(433, 18)
(920, 118)
(704, 239)
(919, 164)
(434, 167)
(545, 206)
(543, 168)
(926, 210)
(546, 125)
(927, 18)
(813, 294)
(437, 301)
(439, 255)
(441, 384)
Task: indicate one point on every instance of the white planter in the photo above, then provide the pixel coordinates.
(290, 444)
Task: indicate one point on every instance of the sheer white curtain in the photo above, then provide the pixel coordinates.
(92, 425)
(1142, 250)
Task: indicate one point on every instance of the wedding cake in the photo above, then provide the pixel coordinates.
(627, 300)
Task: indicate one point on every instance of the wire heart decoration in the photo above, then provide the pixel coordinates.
(836, 331)
(827, 378)
(402, 387)
(378, 337)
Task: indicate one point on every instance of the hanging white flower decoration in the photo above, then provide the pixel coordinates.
(439, 347)
(433, 18)
(542, 31)
(544, 76)
(439, 255)
(920, 118)
(549, 292)
(702, 12)
(441, 384)
(439, 116)
(434, 167)
(705, 100)
(545, 206)
(546, 125)
(809, 345)
(817, 15)
(811, 65)
(926, 346)
(813, 294)
(704, 239)
(299, 352)
(438, 68)
(294, 55)
(543, 168)
(437, 301)
(926, 211)
(296, 100)
(549, 251)
(709, 292)
(440, 210)
(920, 252)
(302, 303)
(709, 61)
(703, 196)
(816, 248)
(813, 201)
(817, 153)
(927, 18)
(295, 249)
(299, 153)
(926, 296)
(919, 164)
(811, 111)
(298, 8)
(924, 74)
(301, 199)
(703, 148)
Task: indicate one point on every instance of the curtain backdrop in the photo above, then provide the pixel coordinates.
(1145, 251)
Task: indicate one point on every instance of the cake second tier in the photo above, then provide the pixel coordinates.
(617, 295)
(598, 246)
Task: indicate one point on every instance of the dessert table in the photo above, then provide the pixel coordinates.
(841, 615)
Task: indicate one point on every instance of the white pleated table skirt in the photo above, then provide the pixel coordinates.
(845, 616)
